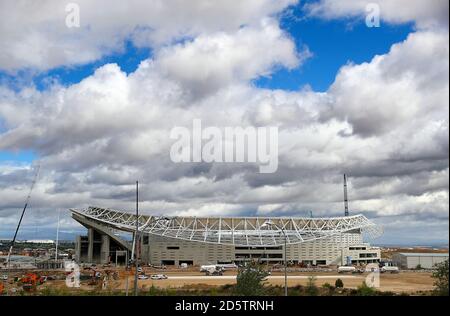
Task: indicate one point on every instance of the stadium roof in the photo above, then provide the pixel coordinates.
(237, 231)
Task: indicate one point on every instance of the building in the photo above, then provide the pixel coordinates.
(37, 241)
(210, 240)
(410, 260)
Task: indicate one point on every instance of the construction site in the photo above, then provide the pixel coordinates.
(125, 251)
(120, 280)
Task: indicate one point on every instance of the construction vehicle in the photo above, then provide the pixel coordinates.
(95, 277)
(212, 270)
(30, 281)
(346, 269)
(389, 267)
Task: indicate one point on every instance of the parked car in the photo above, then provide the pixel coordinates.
(4, 277)
(157, 267)
(142, 277)
(158, 277)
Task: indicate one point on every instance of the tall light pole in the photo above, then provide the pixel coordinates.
(57, 237)
(136, 236)
(272, 224)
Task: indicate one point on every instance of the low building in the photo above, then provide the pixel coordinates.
(212, 240)
(411, 260)
(37, 241)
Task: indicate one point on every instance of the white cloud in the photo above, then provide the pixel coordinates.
(425, 14)
(407, 85)
(34, 34)
(214, 61)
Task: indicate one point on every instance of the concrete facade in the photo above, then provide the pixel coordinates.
(413, 260)
(157, 250)
(198, 241)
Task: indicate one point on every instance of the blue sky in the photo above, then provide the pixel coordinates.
(24, 156)
(333, 44)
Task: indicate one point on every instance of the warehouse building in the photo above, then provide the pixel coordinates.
(410, 260)
(212, 240)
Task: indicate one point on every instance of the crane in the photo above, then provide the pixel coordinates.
(23, 212)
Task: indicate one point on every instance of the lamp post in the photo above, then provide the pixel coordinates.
(136, 240)
(272, 224)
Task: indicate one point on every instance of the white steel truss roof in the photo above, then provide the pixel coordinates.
(237, 231)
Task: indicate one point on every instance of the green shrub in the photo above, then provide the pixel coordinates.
(441, 278)
(365, 290)
(329, 288)
(311, 288)
(250, 280)
(338, 284)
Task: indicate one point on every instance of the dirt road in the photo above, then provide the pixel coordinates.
(405, 281)
(402, 282)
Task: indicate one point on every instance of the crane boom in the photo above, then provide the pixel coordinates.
(23, 212)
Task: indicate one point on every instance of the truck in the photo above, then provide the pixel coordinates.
(227, 266)
(391, 269)
(212, 270)
(346, 269)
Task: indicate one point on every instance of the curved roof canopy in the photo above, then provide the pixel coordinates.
(237, 231)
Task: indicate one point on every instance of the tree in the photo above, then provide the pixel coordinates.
(338, 284)
(441, 278)
(250, 280)
(311, 288)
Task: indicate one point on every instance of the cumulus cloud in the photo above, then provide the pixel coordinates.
(211, 62)
(409, 85)
(34, 34)
(425, 14)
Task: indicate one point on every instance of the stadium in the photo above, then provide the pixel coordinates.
(176, 240)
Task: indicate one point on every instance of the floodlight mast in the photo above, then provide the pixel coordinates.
(345, 195)
(136, 238)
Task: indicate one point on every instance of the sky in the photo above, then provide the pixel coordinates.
(94, 106)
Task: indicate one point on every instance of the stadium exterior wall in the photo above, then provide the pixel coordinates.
(335, 250)
(102, 242)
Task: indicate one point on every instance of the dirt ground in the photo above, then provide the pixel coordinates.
(405, 281)
(408, 282)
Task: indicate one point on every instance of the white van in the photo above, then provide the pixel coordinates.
(346, 269)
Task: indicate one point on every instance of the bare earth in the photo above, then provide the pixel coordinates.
(405, 281)
(402, 282)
